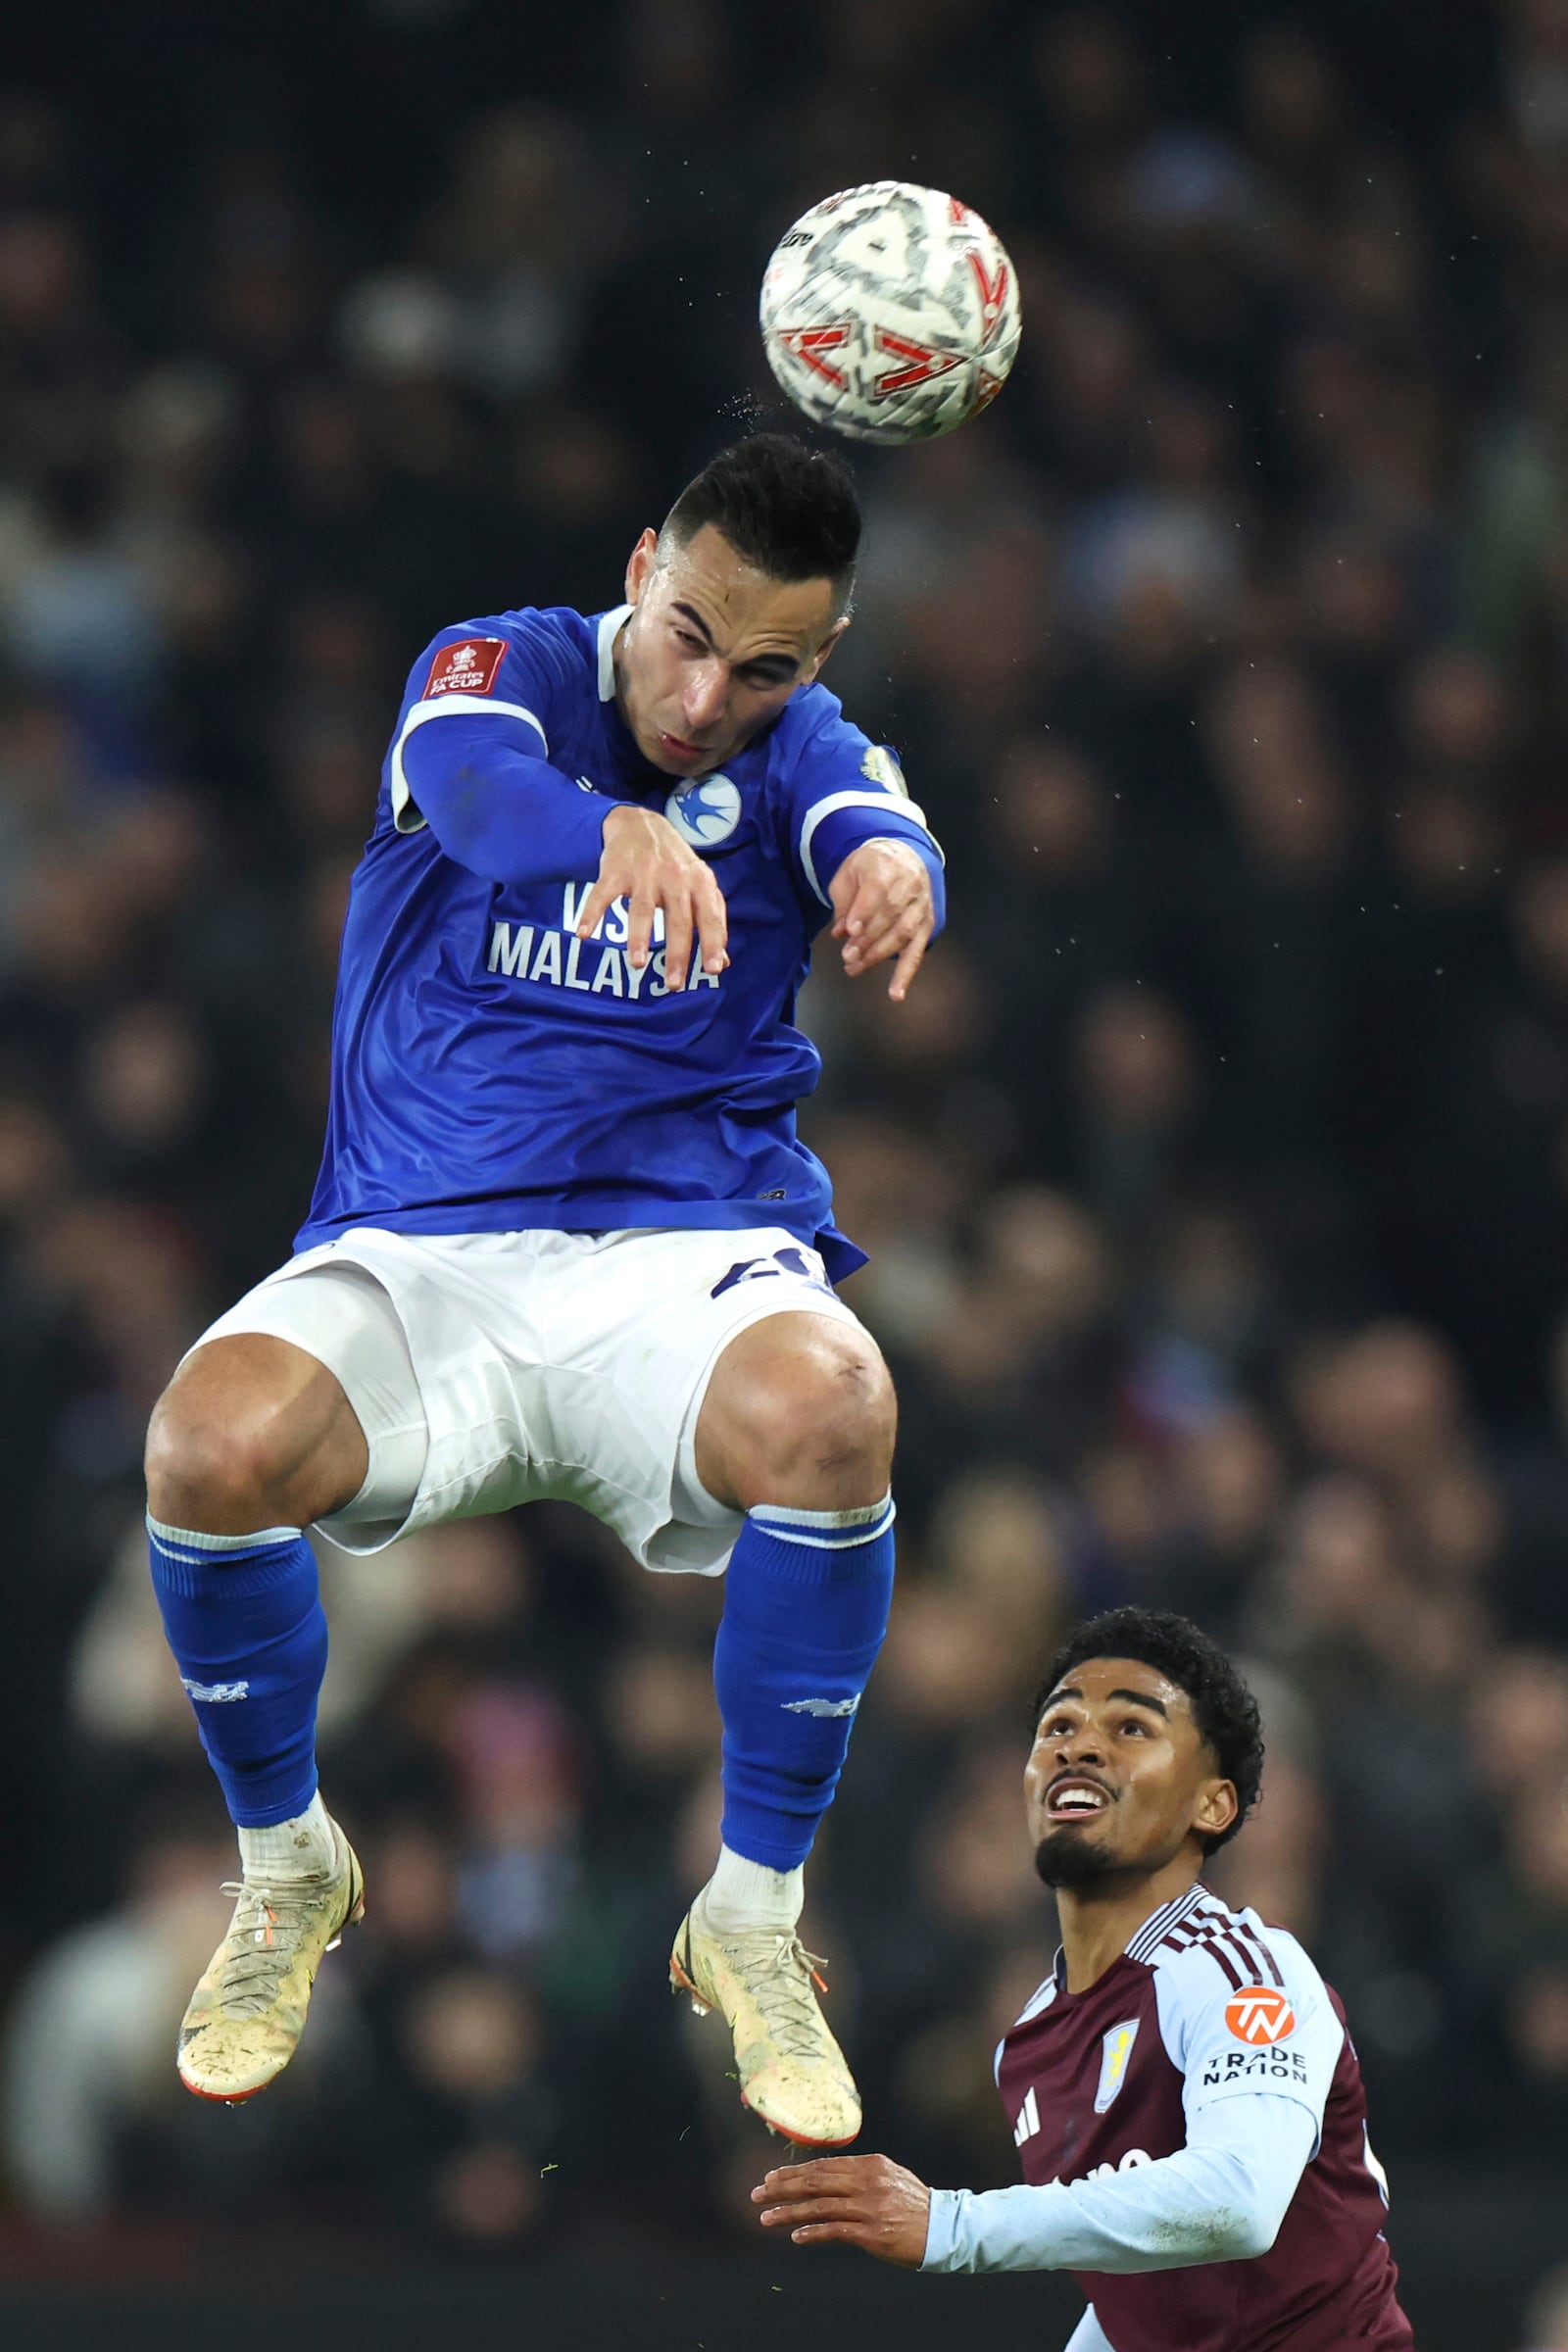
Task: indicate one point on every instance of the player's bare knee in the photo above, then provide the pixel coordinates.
(207, 1472)
(824, 1437)
(857, 1419)
(252, 1432)
(193, 1472)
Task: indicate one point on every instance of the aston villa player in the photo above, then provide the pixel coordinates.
(1182, 2090)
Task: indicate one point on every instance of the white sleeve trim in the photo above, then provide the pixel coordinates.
(891, 802)
(405, 812)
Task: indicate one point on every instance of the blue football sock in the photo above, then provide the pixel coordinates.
(805, 1612)
(244, 1621)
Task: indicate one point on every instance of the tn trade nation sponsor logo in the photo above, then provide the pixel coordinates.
(1259, 2013)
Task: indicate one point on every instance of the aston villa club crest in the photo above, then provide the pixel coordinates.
(1115, 2050)
(705, 811)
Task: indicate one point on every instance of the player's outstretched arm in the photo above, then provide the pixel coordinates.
(884, 907)
(865, 2201)
(646, 862)
(1221, 2199)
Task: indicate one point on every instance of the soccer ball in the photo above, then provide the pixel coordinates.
(890, 313)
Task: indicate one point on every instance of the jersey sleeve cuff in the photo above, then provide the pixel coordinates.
(929, 852)
(940, 2230)
(997, 2229)
(844, 819)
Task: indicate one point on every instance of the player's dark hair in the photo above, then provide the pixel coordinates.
(791, 510)
(1223, 1708)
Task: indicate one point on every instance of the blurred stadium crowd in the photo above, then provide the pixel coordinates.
(1215, 1173)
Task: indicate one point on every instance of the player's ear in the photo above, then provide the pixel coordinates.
(824, 649)
(1216, 1808)
(638, 569)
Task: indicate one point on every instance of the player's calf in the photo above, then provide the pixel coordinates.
(804, 1613)
(252, 1440)
(797, 1431)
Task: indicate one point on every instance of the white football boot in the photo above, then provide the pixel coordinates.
(247, 2014)
(765, 1982)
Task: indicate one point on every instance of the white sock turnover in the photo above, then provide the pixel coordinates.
(301, 1849)
(744, 1894)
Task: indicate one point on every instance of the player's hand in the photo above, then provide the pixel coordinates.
(647, 863)
(882, 907)
(865, 2201)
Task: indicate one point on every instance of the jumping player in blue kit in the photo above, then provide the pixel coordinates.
(566, 1242)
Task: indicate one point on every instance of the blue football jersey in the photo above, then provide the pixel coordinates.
(493, 1072)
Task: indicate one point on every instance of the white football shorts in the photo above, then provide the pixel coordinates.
(490, 1369)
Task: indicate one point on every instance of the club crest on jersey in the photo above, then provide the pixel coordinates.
(1259, 2013)
(880, 766)
(1115, 2049)
(704, 812)
(470, 667)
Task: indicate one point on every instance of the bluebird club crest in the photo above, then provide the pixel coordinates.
(705, 811)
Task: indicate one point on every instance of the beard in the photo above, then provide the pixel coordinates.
(1067, 1858)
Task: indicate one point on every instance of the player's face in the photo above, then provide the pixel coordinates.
(1119, 1778)
(713, 651)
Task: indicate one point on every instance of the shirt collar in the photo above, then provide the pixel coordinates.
(1155, 1929)
(1158, 1926)
(609, 630)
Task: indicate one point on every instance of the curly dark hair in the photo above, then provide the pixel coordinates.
(1223, 1708)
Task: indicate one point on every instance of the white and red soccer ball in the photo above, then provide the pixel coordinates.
(890, 313)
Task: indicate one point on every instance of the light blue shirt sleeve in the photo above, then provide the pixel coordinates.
(1221, 2199)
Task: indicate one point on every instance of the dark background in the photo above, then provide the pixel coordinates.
(1215, 1173)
